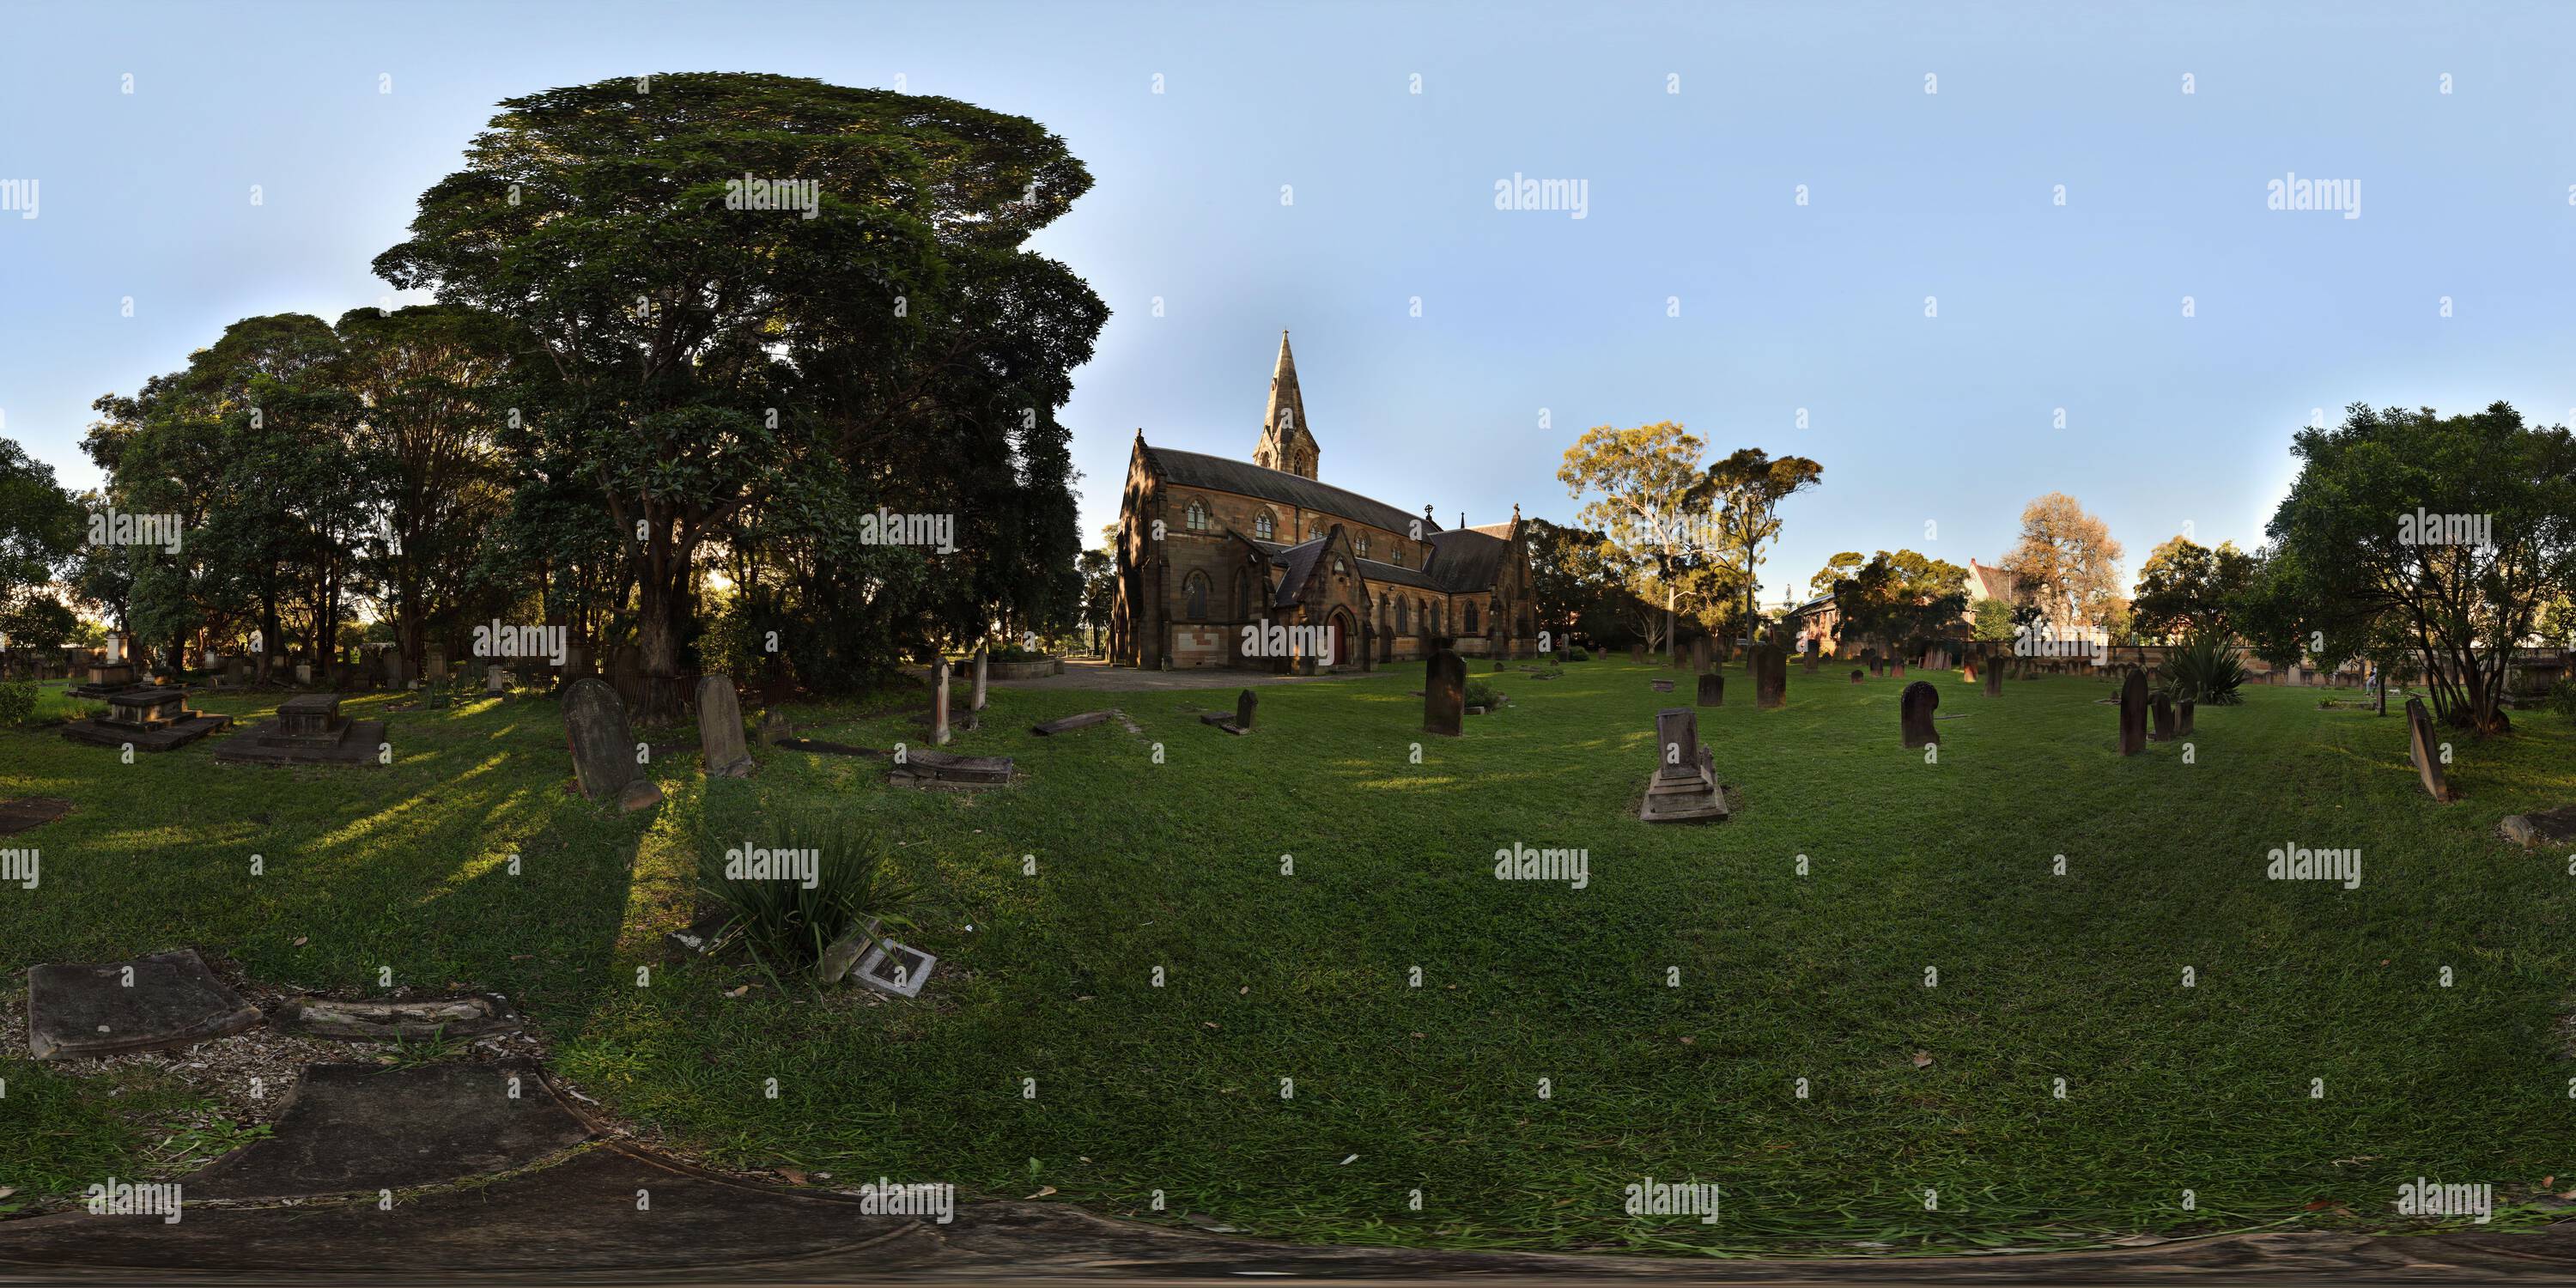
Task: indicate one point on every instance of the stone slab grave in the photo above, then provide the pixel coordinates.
(1245, 705)
(721, 752)
(1712, 689)
(2426, 751)
(1683, 788)
(2550, 827)
(2160, 710)
(154, 717)
(1080, 720)
(107, 679)
(360, 1128)
(603, 748)
(1444, 695)
(1914, 709)
(454, 1017)
(869, 958)
(1663, 686)
(1770, 677)
(2133, 714)
(163, 1001)
(943, 769)
(308, 730)
(28, 813)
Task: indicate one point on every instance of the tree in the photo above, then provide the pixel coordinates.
(1994, 624)
(2066, 563)
(1099, 572)
(2451, 532)
(2186, 587)
(40, 533)
(1643, 482)
(1580, 583)
(1835, 569)
(1745, 491)
(745, 283)
(1901, 599)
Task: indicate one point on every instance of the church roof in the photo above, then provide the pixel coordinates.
(1465, 559)
(1197, 469)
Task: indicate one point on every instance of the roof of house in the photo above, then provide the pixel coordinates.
(1992, 583)
(1197, 469)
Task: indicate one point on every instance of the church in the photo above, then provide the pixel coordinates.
(1261, 565)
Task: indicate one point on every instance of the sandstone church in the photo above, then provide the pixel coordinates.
(1261, 565)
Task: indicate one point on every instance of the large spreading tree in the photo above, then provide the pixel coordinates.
(738, 284)
(2066, 564)
(1643, 483)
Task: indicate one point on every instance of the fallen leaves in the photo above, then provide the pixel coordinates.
(1922, 1059)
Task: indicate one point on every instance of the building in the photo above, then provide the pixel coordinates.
(1820, 621)
(1261, 564)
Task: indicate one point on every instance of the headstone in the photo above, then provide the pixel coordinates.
(2427, 752)
(1914, 710)
(939, 703)
(1083, 720)
(1994, 677)
(2161, 707)
(773, 728)
(1712, 689)
(434, 666)
(1900, 670)
(1771, 677)
(1637, 654)
(1700, 653)
(1858, 676)
(1444, 695)
(304, 673)
(2550, 827)
(2182, 718)
(1663, 686)
(1683, 787)
(2133, 714)
(495, 680)
(976, 702)
(1676, 743)
(720, 750)
(1811, 661)
(1245, 703)
(603, 748)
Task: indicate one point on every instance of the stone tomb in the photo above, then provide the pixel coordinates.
(2426, 751)
(1914, 709)
(471, 1016)
(106, 679)
(167, 1000)
(28, 813)
(2133, 714)
(1712, 689)
(154, 717)
(308, 730)
(928, 769)
(603, 748)
(1683, 788)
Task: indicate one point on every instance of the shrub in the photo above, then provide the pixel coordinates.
(17, 702)
(1577, 655)
(2206, 668)
(1014, 653)
(786, 924)
(1481, 694)
(2562, 696)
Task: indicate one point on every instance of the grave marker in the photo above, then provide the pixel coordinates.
(2426, 750)
(1914, 710)
(720, 748)
(939, 734)
(1712, 689)
(2133, 714)
(1444, 695)
(1683, 787)
(1770, 677)
(603, 748)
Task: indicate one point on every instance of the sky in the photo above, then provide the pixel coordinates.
(1981, 298)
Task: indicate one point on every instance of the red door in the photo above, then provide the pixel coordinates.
(1336, 658)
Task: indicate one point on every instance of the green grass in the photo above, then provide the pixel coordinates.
(1177, 864)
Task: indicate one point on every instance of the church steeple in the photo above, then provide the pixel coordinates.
(1285, 444)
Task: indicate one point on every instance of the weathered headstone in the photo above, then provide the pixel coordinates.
(1770, 677)
(1712, 689)
(2427, 752)
(1637, 654)
(1683, 787)
(1914, 709)
(603, 748)
(165, 1000)
(976, 702)
(1444, 695)
(1663, 686)
(2161, 707)
(2182, 718)
(774, 728)
(720, 750)
(495, 680)
(939, 703)
(1701, 653)
(1994, 677)
(1858, 676)
(2133, 714)
(2550, 827)
(1245, 704)
(434, 669)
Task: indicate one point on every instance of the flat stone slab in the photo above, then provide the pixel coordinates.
(361, 1128)
(268, 743)
(454, 1017)
(2541, 827)
(148, 1004)
(176, 734)
(828, 748)
(940, 768)
(30, 812)
(1082, 721)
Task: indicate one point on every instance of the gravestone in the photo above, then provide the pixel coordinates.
(2182, 718)
(2550, 827)
(1994, 677)
(495, 680)
(1663, 686)
(1683, 787)
(1637, 654)
(1810, 661)
(2161, 708)
(1900, 670)
(2133, 714)
(308, 730)
(151, 717)
(434, 668)
(166, 1000)
(1712, 689)
(1245, 704)
(1444, 695)
(603, 748)
(2427, 753)
(720, 749)
(939, 703)
(975, 701)
(304, 673)
(366, 1128)
(1081, 720)
(774, 728)
(1914, 709)
(1858, 676)
(1770, 677)
(1700, 653)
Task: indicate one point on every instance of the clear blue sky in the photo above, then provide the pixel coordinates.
(2169, 420)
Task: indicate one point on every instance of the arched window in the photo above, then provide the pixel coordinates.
(1263, 526)
(1381, 612)
(1402, 625)
(1340, 569)
(1198, 515)
(1422, 616)
(1242, 594)
(1471, 618)
(1363, 545)
(1395, 554)
(1196, 588)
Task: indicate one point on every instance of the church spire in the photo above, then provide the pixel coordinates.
(1286, 445)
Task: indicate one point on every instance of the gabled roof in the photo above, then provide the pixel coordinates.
(1196, 469)
(1992, 583)
(1300, 561)
(1391, 575)
(1465, 559)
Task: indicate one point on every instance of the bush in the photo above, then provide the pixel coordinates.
(2562, 696)
(1014, 653)
(17, 702)
(1481, 694)
(788, 925)
(1577, 655)
(2206, 668)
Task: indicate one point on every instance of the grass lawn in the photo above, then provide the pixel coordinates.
(1174, 859)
